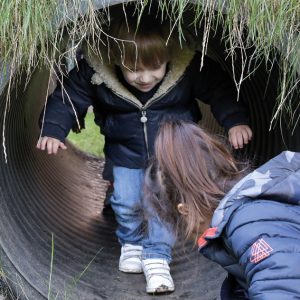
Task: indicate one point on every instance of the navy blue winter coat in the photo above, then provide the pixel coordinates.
(255, 231)
(128, 141)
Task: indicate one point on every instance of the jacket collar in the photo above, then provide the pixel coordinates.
(105, 73)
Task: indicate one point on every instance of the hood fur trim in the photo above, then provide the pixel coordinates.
(105, 73)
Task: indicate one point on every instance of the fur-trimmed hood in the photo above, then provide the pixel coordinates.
(105, 72)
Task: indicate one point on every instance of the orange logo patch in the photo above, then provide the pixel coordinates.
(260, 250)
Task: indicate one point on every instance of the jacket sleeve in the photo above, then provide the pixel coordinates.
(74, 93)
(213, 86)
(265, 239)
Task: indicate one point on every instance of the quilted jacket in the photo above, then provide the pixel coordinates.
(255, 231)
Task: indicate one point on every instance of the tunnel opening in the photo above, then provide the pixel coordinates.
(63, 195)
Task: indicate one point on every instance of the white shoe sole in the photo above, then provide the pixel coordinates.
(161, 289)
(134, 271)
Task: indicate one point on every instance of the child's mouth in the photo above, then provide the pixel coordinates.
(145, 86)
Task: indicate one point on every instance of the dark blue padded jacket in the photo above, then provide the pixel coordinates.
(128, 141)
(255, 231)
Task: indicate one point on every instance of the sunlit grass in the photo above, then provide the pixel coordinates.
(89, 139)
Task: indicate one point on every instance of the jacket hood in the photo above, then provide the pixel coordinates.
(276, 180)
(105, 73)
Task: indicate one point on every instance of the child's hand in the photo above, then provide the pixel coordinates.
(51, 144)
(239, 135)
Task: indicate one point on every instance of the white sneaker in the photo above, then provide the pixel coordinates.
(131, 259)
(158, 277)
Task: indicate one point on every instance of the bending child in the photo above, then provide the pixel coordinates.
(145, 83)
(247, 224)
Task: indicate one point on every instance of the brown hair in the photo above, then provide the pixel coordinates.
(140, 40)
(190, 167)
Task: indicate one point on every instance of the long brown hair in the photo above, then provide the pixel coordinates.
(190, 167)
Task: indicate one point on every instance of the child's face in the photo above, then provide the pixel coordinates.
(144, 78)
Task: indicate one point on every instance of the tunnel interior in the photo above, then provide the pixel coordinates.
(51, 206)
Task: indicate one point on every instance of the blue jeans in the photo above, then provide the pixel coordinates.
(155, 236)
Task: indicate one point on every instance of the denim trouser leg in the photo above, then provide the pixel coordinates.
(160, 239)
(126, 201)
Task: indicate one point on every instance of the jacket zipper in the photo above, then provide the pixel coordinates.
(144, 118)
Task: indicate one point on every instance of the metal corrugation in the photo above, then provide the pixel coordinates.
(63, 195)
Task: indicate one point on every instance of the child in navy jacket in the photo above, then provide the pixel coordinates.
(143, 83)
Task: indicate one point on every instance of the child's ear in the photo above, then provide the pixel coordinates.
(182, 209)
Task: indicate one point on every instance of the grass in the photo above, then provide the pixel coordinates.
(6, 292)
(34, 33)
(89, 139)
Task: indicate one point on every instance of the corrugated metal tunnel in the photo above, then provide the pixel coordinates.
(41, 195)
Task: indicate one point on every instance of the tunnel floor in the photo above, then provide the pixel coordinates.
(86, 251)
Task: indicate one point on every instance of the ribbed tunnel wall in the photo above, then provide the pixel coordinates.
(41, 195)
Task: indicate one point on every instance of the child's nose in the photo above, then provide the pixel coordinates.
(145, 77)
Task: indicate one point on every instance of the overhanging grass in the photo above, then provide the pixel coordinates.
(89, 140)
(32, 33)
